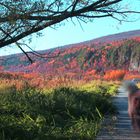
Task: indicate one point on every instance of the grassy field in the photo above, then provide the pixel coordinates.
(64, 113)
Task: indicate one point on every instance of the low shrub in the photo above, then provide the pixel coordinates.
(63, 113)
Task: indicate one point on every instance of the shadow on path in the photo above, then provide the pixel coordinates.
(118, 127)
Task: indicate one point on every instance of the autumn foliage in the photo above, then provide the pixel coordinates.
(114, 74)
(131, 76)
(113, 60)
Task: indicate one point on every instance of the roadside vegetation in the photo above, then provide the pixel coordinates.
(70, 112)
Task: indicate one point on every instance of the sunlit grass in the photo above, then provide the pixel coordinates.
(71, 112)
(101, 87)
(138, 85)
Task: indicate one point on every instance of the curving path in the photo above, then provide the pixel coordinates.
(118, 127)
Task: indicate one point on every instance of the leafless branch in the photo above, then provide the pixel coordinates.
(18, 46)
(41, 55)
(33, 18)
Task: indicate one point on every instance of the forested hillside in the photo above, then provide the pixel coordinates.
(82, 60)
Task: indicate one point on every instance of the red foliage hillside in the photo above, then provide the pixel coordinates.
(109, 59)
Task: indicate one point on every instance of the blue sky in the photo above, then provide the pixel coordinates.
(70, 33)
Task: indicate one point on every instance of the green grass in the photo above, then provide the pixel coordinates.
(63, 113)
(101, 87)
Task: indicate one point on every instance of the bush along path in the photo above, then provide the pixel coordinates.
(60, 114)
(118, 127)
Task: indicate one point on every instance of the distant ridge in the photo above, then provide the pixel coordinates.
(101, 54)
(118, 36)
(107, 38)
(104, 39)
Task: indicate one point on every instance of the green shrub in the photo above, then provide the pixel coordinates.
(64, 113)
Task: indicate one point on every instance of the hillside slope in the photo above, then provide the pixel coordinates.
(120, 51)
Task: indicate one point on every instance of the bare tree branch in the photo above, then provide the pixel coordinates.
(75, 4)
(22, 18)
(41, 55)
(19, 47)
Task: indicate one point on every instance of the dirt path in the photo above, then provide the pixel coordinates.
(118, 127)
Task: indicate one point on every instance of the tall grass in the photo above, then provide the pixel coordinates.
(62, 113)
